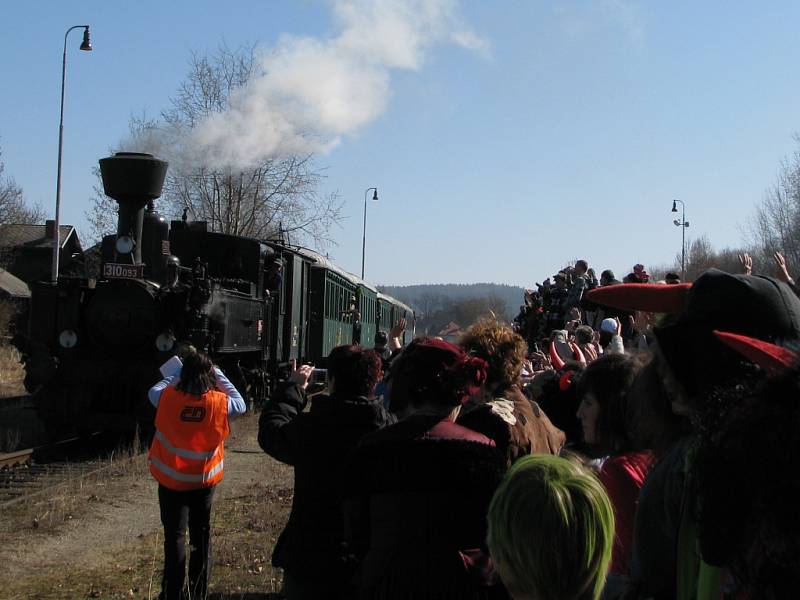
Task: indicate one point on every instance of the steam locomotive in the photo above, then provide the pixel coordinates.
(95, 345)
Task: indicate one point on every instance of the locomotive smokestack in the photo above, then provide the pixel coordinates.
(132, 179)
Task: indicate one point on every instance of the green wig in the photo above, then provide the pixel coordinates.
(551, 528)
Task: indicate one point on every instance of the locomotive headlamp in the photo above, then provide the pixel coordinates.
(125, 244)
(165, 342)
(68, 338)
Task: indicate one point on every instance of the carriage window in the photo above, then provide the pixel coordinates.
(327, 299)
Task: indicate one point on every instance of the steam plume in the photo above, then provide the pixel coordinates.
(309, 92)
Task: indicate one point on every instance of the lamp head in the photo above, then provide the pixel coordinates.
(87, 43)
(677, 223)
(375, 194)
(674, 206)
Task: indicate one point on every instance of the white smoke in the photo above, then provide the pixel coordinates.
(309, 92)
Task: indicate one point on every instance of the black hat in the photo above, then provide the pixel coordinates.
(755, 306)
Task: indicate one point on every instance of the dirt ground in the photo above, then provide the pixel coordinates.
(105, 540)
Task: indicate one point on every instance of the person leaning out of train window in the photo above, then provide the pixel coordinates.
(273, 278)
(186, 458)
(315, 442)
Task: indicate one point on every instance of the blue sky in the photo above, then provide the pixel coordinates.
(566, 135)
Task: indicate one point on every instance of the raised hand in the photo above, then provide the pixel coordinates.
(747, 263)
(642, 321)
(541, 362)
(301, 375)
(782, 270)
(398, 329)
(590, 352)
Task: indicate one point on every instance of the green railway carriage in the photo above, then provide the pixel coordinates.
(314, 310)
(289, 309)
(333, 296)
(368, 307)
(384, 312)
(390, 311)
(403, 311)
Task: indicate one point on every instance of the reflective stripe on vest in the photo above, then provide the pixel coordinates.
(187, 477)
(182, 452)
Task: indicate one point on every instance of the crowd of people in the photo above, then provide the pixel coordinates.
(622, 440)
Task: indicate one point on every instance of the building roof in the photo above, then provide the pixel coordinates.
(452, 329)
(16, 235)
(14, 287)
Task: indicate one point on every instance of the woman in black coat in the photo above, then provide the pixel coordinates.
(417, 492)
(311, 548)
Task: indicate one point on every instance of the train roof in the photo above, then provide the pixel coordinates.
(325, 263)
(392, 300)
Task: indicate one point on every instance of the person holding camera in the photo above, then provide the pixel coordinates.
(186, 458)
(311, 549)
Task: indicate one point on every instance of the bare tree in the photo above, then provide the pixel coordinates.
(498, 306)
(102, 216)
(776, 223)
(428, 303)
(277, 193)
(13, 208)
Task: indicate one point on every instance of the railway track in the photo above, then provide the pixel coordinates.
(15, 459)
(35, 472)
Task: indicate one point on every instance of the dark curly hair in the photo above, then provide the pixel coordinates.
(609, 379)
(498, 345)
(747, 483)
(356, 371)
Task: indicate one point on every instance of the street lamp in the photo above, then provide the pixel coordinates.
(364, 239)
(683, 224)
(86, 45)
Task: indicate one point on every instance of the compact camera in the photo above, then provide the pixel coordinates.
(319, 376)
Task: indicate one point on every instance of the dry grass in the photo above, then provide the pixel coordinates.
(73, 493)
(12, 372)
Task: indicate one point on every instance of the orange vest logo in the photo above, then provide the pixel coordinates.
(193, 414)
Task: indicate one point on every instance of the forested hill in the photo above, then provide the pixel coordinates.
(411, 294)
(437, 305)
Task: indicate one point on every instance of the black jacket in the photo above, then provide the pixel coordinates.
(417, 494)
(315, 443)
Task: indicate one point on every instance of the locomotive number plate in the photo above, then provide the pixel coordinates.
(116, 270)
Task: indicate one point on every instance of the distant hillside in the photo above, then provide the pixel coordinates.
(410, 294)
(437, 305)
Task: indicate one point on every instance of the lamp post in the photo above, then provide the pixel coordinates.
(683, 224)
(87, 46)
(364, 239)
